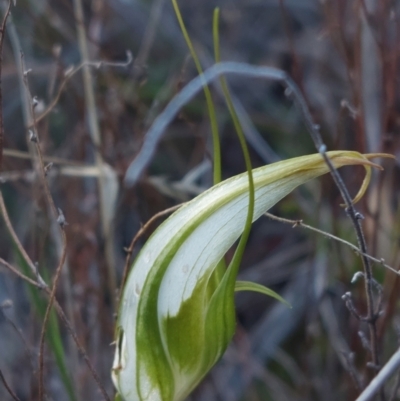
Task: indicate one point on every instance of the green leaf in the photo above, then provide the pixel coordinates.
(255, 287)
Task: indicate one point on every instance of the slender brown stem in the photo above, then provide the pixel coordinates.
(47, 316)
(70, 73)
(354, 216)
(299, 223)
(19, 274)
(15, 238)
(8, 388)
(8, 303)
(81, 349)
(50, 201)
(2, 34)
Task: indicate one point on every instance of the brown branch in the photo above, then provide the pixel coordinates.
(81, 349)
(7, 304)
(354, 216)
(21, 275)
(57, 216)
(2, 34)
(47, 316)
(8, 388)
(71, 72)
(15, 238)
(299, 223)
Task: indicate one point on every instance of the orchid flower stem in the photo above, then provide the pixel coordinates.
(243, 240)
(207, 94)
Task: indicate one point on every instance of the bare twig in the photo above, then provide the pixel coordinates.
(56, 214)
(47, 316)
(15, 238)
(8, 388)
(354, 217)
(81, 349)
(2, 34)
(349, 358)
(348, 299)
(71, 72)
(21, 275)
(7, 304)
(299, 223)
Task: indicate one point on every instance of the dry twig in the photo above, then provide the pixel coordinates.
(2, 34)
(69, 73)
(299, 223)
(42, 171)
(8, 388)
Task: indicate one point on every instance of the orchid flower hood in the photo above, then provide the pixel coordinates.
(177, 315)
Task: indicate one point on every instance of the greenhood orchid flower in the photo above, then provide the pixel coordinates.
(177, 315)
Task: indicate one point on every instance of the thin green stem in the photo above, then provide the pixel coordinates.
(207, 93)
(246, 155)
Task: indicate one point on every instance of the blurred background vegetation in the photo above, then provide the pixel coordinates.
(343, 54)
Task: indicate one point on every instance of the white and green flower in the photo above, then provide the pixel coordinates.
(177, 315)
